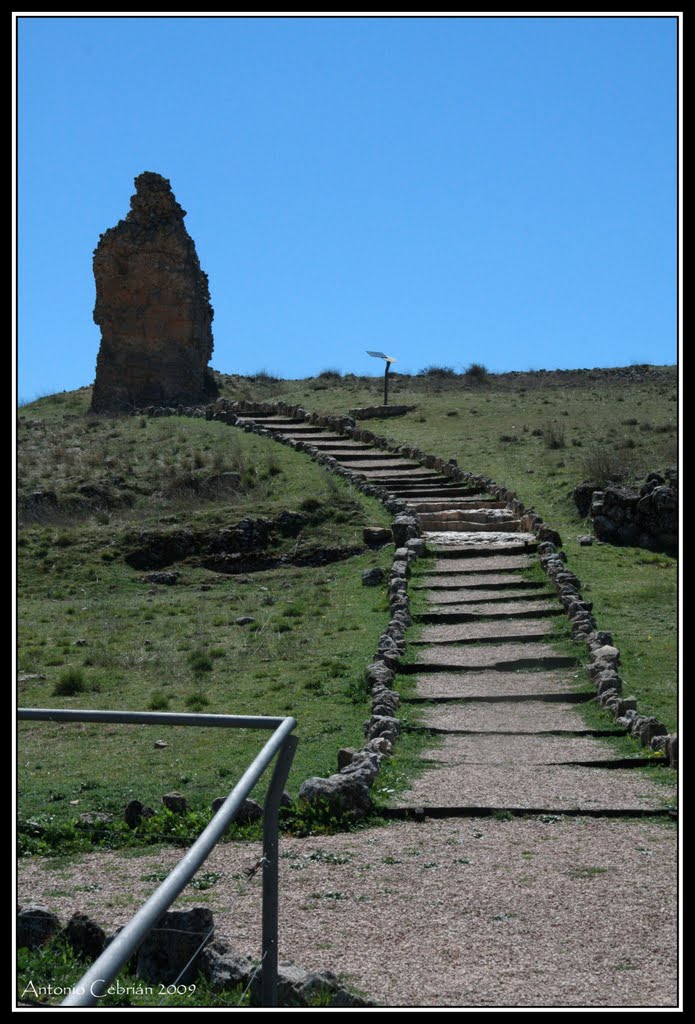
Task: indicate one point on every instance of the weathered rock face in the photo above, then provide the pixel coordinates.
(153, 307)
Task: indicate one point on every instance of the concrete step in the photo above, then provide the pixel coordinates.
(492, 595)
(497, 538)
(534, 716)
(490, 684)
(535, 786)
(377, 462)
(423, 505)
(475, 631)
(454, 563)
(503, 657)
(519, 749)
(510, 584)
(442, 527)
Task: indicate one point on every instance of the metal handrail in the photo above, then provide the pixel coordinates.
(95, 981)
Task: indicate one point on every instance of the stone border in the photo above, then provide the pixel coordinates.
(604, 657)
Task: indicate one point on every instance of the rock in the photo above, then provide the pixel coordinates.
(338, 793)
(38, 505)
(373, 577)
(167, 579)
(644, 729)
(417, 546)
(85, 936)
(375, 536)
(404, 528)
(36, 925)
(346, 755)
(79, 643)
(583, 494)
(249, 811)
(223, 967)
(160, 744)
(175, 802)
(586, 540)
(153, 307)
(135, 812)
(608, 681)
(606, 653)
(671, 750)
(96, 818)
(244, 620)
(545, 533)
(658, 743)
(383, 725)
(173, 945)
(380, 745)
(30, 677)
(291, 524)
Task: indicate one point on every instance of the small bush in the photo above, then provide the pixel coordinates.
(158, 701)
(445, 372)
(200, 660)
(602, 464)
(477, 373)
(329, 374)
(554, 435)
(197, 701)
(264, 377)
(69, 683)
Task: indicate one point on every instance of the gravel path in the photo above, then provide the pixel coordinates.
(526, 748)
(487, 913)
(470, 685)
(516, 717)
(494, 630)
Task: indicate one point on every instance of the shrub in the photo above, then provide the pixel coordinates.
(200, 661)
(437, 371)
(158, 701)
(602, 464)
(264, 377)
(329, 374)
(477, 373)
(197, 701)
(554, 435)
(69, 683)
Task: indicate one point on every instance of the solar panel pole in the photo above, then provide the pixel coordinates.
(389, 360)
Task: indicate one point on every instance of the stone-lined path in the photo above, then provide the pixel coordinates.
(487, 677)
(532, 865)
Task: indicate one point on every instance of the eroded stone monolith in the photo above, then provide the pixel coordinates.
(153, 307)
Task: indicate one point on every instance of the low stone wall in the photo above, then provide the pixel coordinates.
(373, 412)
(647, 518)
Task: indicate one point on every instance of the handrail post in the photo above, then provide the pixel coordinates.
(269, 968)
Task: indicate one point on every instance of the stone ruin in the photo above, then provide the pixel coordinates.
(153, 307)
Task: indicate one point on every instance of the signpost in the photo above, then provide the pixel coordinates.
(389, 360)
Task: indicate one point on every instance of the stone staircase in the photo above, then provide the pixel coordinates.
(482, 673)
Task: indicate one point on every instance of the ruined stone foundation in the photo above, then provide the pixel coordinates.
(153, 307)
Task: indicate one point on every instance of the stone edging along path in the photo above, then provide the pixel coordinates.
(296, 427)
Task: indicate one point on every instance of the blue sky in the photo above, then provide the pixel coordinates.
(448, 190)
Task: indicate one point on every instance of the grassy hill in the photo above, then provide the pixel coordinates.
(95, 493)
(94, 633)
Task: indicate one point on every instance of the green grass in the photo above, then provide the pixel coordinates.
(178, 648)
